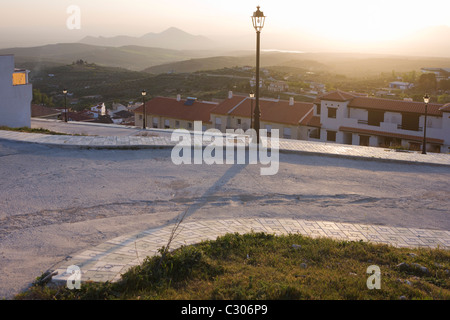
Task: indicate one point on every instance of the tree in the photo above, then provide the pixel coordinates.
(444, 85)
(428, 82)
(42, 98)
(443, 99)
(37, 96)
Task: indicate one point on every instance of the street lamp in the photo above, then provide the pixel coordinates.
(144, 122)
(252, 95)
(258, 20)
(426, 99)
(65, 103)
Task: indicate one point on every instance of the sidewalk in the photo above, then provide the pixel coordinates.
(108, 261)
(157, 139)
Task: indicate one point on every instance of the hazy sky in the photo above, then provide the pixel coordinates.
(25, 22)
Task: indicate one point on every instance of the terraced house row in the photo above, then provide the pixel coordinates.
(340, 117)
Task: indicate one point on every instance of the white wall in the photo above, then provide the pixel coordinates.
(393, 117)
(341, 113)
(446, 131)
(15, 101)
(360, 114)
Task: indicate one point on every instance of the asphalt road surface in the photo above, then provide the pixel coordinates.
(56, 202)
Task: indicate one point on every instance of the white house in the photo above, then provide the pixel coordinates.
(401, 85)
(15, 94)
(98, 110)
(116, 107)
(350, 118)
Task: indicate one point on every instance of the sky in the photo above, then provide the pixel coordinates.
(38, 22)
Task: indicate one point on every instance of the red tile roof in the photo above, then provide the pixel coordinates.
(357, 100)
(78, 116)
(271, 110)
(38, 111)
(395, 105)
(171, 108)
(338, 96)
(390, 134)
(445, 108)
(311, 120)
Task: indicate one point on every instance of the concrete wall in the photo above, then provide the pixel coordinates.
(446, 131)
(161, 122)
(15, 101)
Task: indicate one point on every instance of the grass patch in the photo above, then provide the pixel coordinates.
(32, 130)
(260, 266)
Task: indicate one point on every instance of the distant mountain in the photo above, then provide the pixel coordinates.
(171, 38)
(129, 57)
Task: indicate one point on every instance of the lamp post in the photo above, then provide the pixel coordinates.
(426, 99)
(144, 121)
(258, 20)
(252, 96)
(65, 104)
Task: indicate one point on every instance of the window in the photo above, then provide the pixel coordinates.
(331, 136)
(140, 117)
(166, 124)
(318, 108)
(239, 122)
(189, 125)
(287, 133)
(364, 140)
(375, 117)
(410, 121)
(177, 124)
(332, 113)
(155, 122)
(218, 123)
(314, 134)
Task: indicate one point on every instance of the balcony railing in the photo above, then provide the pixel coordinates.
(401, 127)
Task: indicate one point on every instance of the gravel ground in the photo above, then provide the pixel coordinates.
(56, 202)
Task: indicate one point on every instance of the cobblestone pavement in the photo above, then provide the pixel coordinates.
(108, 261)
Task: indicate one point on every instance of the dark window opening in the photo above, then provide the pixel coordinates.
(332, 113)
(314, 134)
(410, 122)
(375, 117)
(364, 140)
(331, 135)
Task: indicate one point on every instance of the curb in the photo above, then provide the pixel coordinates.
(137, 147)
(110, 259)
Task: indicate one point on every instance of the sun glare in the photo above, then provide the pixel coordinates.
(356, 21)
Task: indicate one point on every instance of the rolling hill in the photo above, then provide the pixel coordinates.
(129, 57)
(171, 38)
(349, 64)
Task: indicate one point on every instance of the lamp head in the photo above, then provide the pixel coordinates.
(426, 98)
(258, 20)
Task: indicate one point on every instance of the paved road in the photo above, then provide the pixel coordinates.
(57, 202)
